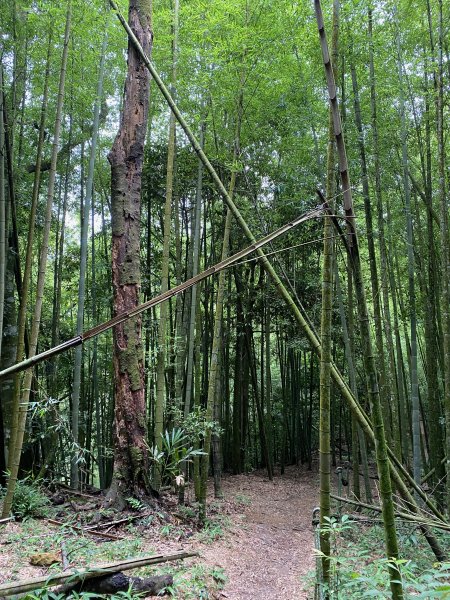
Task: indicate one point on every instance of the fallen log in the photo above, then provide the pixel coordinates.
(112, 584)
(19, 587)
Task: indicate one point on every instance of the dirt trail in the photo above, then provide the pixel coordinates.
(270, 546)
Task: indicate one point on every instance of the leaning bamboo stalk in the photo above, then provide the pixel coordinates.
(124, 316)
(19, 587)
(282, 290)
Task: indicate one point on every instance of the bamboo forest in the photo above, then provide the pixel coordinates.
(224, 299)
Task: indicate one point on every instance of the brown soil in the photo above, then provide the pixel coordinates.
(270, 546)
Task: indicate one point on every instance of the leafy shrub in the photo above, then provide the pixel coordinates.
(176, 451)
(29, 499)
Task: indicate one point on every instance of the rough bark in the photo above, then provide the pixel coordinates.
(126, 158)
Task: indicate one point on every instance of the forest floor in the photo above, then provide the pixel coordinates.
(257, 543)
(269, 548)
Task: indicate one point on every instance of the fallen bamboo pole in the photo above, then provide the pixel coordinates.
(412, 517)
(91, 531)
(98, 329)
(6, 520)
(19, 587)
(128, 519)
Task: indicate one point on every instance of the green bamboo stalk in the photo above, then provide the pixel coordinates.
(369, 361)
(26, 280)
(445, 245)
(195, 237)
(415, 417)
(384, 279)
(325, 334)
(83, 267)
(170, 176)
(23, 407)
(2, 210)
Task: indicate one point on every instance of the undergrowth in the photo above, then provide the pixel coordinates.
(29, 499)
(359, 567)
(32, 537)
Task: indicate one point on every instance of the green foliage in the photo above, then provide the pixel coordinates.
(431, 583)
(196, 425)
(358, 571)
(46, 594)
(175, 453)
(199, 582)
(29, 499)
(135, 503)
(214, 528)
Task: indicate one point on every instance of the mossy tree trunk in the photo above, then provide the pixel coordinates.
(126, 158)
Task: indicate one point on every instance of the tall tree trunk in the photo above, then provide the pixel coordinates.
(126, 157)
